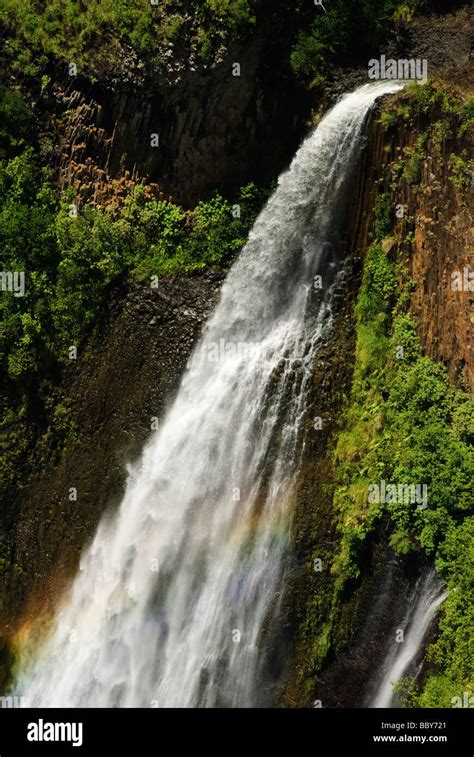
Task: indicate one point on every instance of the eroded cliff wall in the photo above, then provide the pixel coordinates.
(211, 129)
(417, 168)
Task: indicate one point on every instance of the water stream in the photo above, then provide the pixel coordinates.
(171, 598)
(401, 657)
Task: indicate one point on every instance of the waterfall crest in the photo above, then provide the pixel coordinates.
(171, 598)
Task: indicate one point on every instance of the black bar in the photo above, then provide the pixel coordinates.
(307, 731)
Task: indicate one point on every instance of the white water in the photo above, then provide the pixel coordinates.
(129, 636)
(427, 596)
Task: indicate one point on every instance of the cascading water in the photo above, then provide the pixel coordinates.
(172, 596)
(427, 595)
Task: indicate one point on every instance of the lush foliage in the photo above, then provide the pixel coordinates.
(382, 213)
(406, 424)
(345, 29)
(440, 116)
(89, 34)
(15, 122)
(69, 260)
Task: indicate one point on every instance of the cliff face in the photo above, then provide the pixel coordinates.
(430, 240)
(121, 384)
(95, 133)
(191, 130)
(437, 213)
(211, 127)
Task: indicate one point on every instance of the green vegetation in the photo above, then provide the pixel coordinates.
(91, 34)
(70, 260)
(447, 114)
(414, 157)
(462, 172)
(382, 216)
(440, 116)
(346, 29)
(15, 122)
(405, 423)
(435, 97)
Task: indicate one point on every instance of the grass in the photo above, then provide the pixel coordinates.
(93, 34)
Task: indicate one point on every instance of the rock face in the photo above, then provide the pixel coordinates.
(443, 239)
(211, 129)
(124, 379)
(441, 213)
(206, 129)
(213, 125)
(381, 604)
(445, 41)
(443, 256)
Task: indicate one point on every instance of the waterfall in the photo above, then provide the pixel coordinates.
(171, 600)
(401, 658)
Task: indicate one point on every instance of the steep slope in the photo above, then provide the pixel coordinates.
(348, 612)
(95, 131)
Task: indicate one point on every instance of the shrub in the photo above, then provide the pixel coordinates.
(69, 261)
